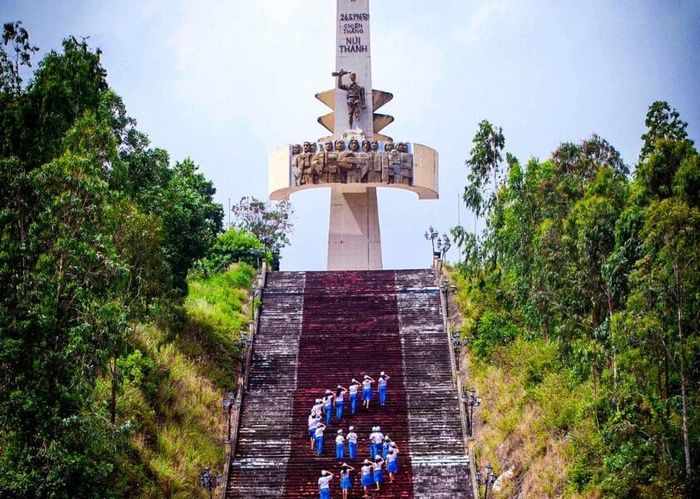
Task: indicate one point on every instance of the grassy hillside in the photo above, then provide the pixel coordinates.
(172, 385)
(580, 313)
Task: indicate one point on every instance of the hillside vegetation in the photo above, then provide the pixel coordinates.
(581, 304)
(120, 310)
(172, 385)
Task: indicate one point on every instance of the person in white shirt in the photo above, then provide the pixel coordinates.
(352, 389)
(340, 394)
(324, 484)
(375, 441)
(318, 407)
(345, 479)
(392, 462)
(319, 438)
(352, 442)
(366, 476)
(367, 390)
(328, 405)
(314, 420)
(371, 442)
(377, 470)
(340, 445)
(383, 378)
(386, 446)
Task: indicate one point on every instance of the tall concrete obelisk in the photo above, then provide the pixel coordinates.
(353, 174)
(354, 239)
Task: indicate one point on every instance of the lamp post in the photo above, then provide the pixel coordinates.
(209, 481)
(431, 235)
(444, 244)
(472, 401)
(227, 404)
(487, 479)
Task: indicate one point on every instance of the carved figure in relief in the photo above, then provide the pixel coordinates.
(330, 169)
(405, 173)
(389, 161)
(374, 167)
(341, 175)
(365, 160)
(296, 151)
(316, 163)
(348, 162)
(355, 96)
(304, 164)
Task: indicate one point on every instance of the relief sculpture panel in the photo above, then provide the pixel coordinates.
(351, 161)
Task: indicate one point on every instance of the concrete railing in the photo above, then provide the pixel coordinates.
(442, 283)
(234, 415)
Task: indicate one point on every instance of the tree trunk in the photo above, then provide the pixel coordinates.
(113, 404)
(611, 311)
(684, 398)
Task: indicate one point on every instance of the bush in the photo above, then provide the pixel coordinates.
(232, 246)
(494, 329)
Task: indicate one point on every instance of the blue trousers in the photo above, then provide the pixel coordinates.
(329, 412)
(339, 410)
(352, 450)
(319, 445)
(339, 451)
(353, 403)
(373, 451)
(382, 395)
(325, 494)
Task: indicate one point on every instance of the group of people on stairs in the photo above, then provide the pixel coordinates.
(383, 452)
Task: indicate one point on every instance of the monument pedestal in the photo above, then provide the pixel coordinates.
(354, 240)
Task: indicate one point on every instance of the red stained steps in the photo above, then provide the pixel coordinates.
(320, 329)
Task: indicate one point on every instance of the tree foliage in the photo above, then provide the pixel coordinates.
(605, 265)
(484, 164)
(97, 231)
(270, 223)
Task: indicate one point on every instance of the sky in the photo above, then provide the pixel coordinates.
(225, 82)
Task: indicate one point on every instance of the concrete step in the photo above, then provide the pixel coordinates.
(321, 329)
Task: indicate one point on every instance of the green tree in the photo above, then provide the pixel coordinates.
(232, 246)
(484, 164)
(93, 224)
(10, 64)
(191, 219)
(62, 315)
(271, 224)
(662, 122)
(670, 274)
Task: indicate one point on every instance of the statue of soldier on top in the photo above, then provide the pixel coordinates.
(355, 95)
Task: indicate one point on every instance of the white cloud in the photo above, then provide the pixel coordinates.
(479, 20)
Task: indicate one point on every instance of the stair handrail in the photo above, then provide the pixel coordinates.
(234, 418)
(442, 281)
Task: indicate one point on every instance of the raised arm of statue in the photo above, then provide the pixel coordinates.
(339, 79)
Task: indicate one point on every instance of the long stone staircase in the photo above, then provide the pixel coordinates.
(321, 329)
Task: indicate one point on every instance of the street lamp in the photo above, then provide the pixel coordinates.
(443, 244)
(431, 235)
(209, 481)
(488, 479)
(472, 401)
(227, 403)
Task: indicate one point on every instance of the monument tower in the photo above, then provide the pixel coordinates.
(356, 159)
